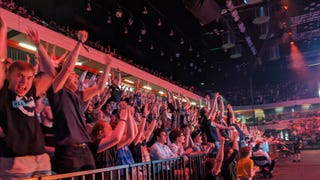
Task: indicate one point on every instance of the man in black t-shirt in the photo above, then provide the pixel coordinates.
(72, 152)
(22, 152)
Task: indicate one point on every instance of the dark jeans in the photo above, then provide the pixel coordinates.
(73, 159)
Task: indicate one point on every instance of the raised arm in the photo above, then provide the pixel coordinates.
(3, 50)
(70, 63)
(126, 140)
(140, 130)
(46, 63)
(150, 129)
(99, 87)
(219, 159)
(220, 98)
(104, 99)
(116, 134)
(44, 81)
(213, 109)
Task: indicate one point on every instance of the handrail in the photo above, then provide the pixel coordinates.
(175, 169)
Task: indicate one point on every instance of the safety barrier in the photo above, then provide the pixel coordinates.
(180, 168)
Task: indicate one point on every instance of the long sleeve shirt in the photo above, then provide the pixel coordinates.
(161, 151)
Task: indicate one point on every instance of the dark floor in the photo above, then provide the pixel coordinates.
(307, 169)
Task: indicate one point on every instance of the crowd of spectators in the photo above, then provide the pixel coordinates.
(84, 125)
(273, 93)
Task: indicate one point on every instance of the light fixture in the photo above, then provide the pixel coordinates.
(228, 40)
(147, 87)
(181, 41)
(161, 92)
(109, 21)
(145, 10)
(128, 81)
(190, 48)
(89, 7)
(178, 54)
(204, 60)
(139, 39)
(151, 46)
(236, 52)
(27, 46)
(101, 71)
(143, 30)
(79, 63)
(198, 54)
(159, 22)
(125, 30)
(130, 21)
(262, 15)
(171, 59)
(171, 32)
(161, 53)
(119, 13)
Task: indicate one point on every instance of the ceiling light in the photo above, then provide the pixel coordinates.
(147, 87)
(159, 22)
(79, 63)
(119, 13)
(101, 71)
(27, 46)
(128, 81)
(161, 92)
(161, 53)
(89, 7)
(145, 10)
(204, 60)
(190, 48)
(130, 21)
(193, 103)
(170, 59)
(109, 21)
(171, 32)
(181, 41)
(151, 46)
(178, 54)
(125, 30)
(198, 54)
(143, 30)
(139, 39)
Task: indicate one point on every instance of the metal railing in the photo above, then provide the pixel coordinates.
(180, 168)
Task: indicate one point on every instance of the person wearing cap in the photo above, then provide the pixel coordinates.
(197, 141)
